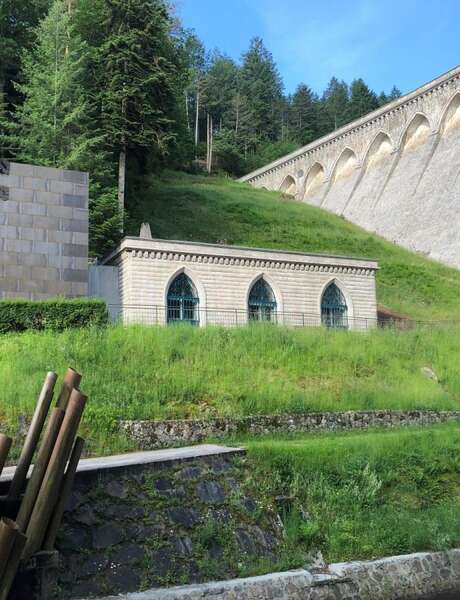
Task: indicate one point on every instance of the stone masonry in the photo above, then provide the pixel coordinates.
(395, 171)
(421, 576)
(162, 518)
(224, 275)
(148, 435)
(43, 232)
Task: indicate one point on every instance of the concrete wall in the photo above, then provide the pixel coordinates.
(395, 172)
(43, 232)
(103, 283)
(224, 275)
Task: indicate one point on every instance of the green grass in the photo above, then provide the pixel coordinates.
(200, 208)
(144, 372)
(364, 495)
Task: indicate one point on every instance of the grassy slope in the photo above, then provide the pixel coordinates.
(186, 207)
(176, 372)
(366, 494)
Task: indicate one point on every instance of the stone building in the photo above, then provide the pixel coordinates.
(43, 232)
(162, 281)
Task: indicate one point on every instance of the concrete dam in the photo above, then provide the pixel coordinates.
(394, 172)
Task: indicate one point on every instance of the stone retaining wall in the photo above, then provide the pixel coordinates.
(163, 518)
(414, 576)
(162, 434)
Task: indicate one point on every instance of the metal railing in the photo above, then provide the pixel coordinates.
(161, 315)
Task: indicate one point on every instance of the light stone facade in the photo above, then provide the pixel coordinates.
(395, 171)
(43, 232)
(224, 275)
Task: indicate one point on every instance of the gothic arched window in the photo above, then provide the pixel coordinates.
(261, 302)
(183, 301)
(334, 310)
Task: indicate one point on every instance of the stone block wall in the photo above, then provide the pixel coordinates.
(162, 519)
(148, 435)
(43, 232)
(224, 275)
(421, 576)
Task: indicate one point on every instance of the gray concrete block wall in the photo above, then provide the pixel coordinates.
(43, 232)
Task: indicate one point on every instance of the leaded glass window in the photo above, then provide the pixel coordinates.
(261, 303)
(334, 310)
(183, 301)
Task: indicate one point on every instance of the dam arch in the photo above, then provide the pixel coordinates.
(379, 149)
(314, 183)
(416, 133)
(288, 186)
(405, 187)
(346, 163)
(450, 118)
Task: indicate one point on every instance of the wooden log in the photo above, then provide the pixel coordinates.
(71, 381)
(12, 566)
(8, 533)
(5, 445)
(33, 435)
(52, 481)
(64, 495)
(40, 466)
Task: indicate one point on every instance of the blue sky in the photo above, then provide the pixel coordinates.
(405, 42)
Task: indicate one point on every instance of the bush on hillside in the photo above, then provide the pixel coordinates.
(57, 314)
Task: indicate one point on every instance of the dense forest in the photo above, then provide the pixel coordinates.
(120, 88)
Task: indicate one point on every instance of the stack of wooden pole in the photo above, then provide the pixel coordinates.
(41, 499)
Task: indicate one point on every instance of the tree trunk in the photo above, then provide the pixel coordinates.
(208, 142)
(237, 120)
(197, 112)
(187, 112)
(211, 143)
(122, 183)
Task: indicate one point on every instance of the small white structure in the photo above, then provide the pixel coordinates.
(163, 281)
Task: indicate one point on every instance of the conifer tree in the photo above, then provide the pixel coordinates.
(261, 86)
(304, 114)
(362, 100)
(395, 93)
(52, 126)
(334, 108)
(138, 94)
(18, 20)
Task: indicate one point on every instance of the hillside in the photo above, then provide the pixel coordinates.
(367, 494)
(212, 209)
(179, 372)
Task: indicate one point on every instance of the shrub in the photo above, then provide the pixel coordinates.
(57, 314)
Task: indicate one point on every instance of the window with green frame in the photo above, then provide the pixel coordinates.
(183, 301)
(261, 302)
(334, 310)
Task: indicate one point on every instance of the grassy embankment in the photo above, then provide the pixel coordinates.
(364, 495)
(200, 208)
(183, 372)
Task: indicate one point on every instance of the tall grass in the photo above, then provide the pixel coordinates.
(213, 209)
(364, 495)
(184, 372)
